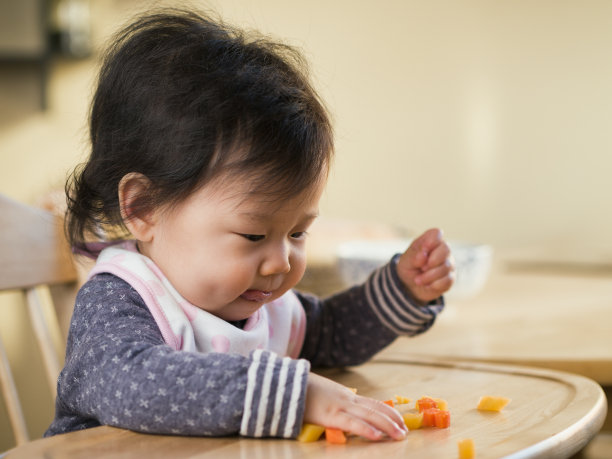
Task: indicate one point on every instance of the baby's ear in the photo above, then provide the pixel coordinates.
(138, 220)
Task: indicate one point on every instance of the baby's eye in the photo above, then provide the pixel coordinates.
(299, 235)
(253, 237)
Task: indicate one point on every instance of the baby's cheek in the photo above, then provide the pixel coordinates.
(295, 275)
(298, 263)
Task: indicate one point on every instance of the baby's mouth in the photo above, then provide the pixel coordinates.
(258, 296)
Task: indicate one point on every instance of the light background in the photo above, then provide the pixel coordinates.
(489, 119)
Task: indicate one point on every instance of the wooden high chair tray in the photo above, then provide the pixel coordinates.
(552, 414)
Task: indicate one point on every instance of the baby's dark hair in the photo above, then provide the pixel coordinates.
(182, 98)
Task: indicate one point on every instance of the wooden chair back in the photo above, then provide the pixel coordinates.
(33, 256)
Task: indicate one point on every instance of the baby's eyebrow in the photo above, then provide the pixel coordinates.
(253, 215)
(262, 216)
(311, 215)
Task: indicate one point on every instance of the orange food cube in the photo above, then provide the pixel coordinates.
(310, 432)
(490, 403)
(389, 402)
(413, 420)
(429, 417)
(425, 403)
(335, 436)
(466, 448)
(442, 419)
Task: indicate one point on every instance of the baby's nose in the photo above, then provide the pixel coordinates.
(276, 262)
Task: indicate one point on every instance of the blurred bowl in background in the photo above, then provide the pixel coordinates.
(357, 259)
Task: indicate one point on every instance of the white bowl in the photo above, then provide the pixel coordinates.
(357, 259)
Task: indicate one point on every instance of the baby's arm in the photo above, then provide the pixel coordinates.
(350, 327)
(119, 372)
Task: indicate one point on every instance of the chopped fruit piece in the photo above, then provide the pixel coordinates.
(310, 432)
(429, 417)
(413, 420)
(425, 403)
(335, 436)
(389, 402)
(466, 448)
(441, 404)
(442, 419)
(490, 403)
(402, 400)
(353, 389)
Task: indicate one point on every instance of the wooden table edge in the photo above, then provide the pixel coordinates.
(589, 424)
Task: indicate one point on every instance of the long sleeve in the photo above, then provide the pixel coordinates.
(350, 327)
(119, 372)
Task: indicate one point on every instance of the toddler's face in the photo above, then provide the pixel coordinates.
(229, 253)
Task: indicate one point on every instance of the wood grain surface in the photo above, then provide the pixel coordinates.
(539, 319)
(552, 414)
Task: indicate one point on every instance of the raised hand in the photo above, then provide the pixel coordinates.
(427, 267)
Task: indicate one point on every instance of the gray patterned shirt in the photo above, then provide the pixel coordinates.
(119, 371)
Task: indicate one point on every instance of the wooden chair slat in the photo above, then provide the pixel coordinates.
(33, 255)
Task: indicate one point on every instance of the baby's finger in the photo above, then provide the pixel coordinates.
(441, 254)
(429, 240)
(414, 258)
(441, 284)
(381, 417)
(417, 255)
(433, 274)
(358, 426)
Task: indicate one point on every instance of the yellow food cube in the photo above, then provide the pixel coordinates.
(413, 420)
(491, 403)
(441, 404)
(401, 400)
(310, 432)
(466, 448)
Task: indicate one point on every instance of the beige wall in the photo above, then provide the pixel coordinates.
(490, 119)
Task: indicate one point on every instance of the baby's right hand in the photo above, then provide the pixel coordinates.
(330, 404)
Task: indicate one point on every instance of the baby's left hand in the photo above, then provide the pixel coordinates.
(427, 267)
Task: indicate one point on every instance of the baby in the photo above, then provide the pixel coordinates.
(209, 154)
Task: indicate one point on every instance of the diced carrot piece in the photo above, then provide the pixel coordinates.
(442, 419)
(466, 448)
(490, 403)
(402, 400)
(429, 417)
(335, 436)
(425, 403)
(389, 402)
(441, 403)
(310, 432)
(413, 420)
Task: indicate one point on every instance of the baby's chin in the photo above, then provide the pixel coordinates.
(239, 310)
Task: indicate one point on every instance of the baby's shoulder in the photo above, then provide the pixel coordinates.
(105, 289)
(101, 285)
(108, 310)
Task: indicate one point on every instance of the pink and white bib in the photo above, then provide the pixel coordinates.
(278, 326)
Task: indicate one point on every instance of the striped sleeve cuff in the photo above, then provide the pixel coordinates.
(394, 307)
(275, 396)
